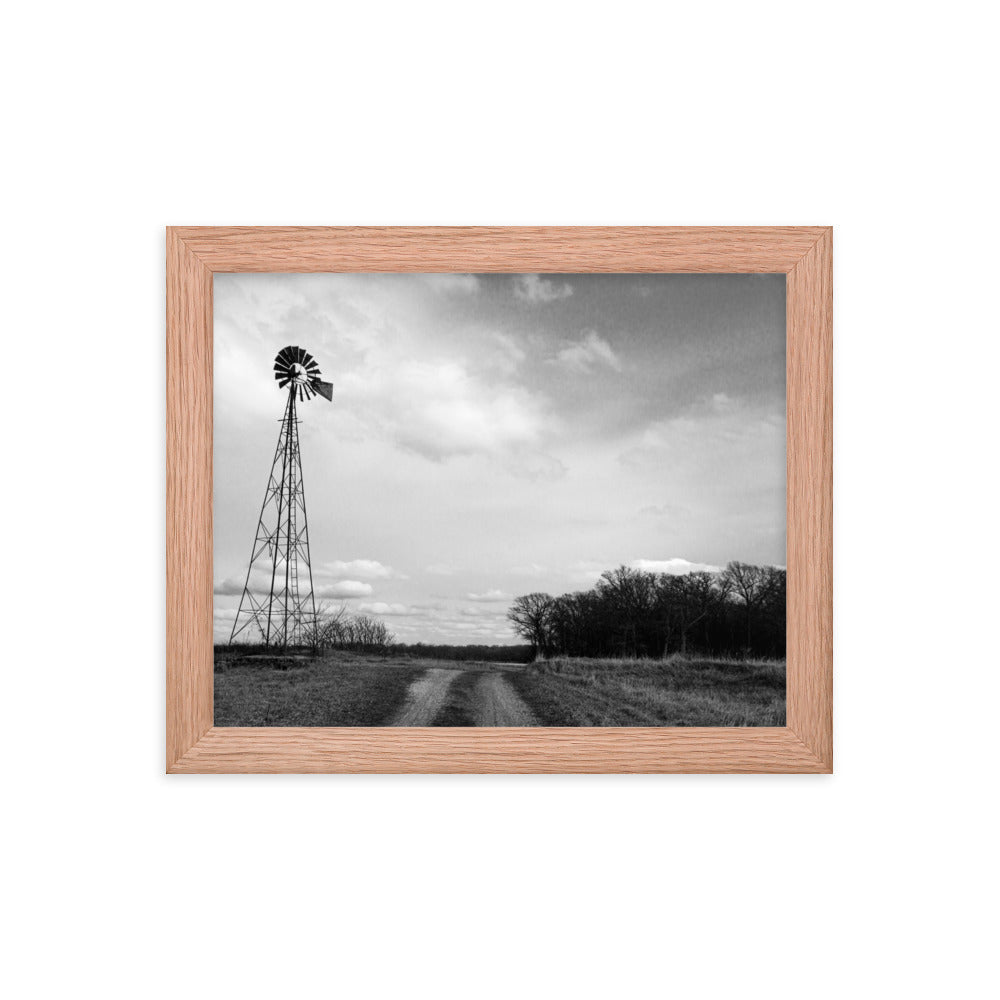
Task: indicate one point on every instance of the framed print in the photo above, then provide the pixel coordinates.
(499, 500)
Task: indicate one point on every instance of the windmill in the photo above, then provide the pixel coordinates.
(282, 612)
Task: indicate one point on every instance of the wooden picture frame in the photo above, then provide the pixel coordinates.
(803, 254)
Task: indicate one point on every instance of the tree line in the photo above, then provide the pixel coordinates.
(336, 629)
(633, 613)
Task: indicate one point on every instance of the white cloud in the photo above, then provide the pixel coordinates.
(587, 353)
(442, 409)
(381, 608)
(674, 567)
(497, 614)
(345, 588)
(490, 596)
(259, 582)
(358, 569)
(222, 623)
(407, 370)
(328, 580)
(502, 351)
(535, 288)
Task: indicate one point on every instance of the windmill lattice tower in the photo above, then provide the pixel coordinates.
(281, 614)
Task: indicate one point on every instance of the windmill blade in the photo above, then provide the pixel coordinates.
(295, 365)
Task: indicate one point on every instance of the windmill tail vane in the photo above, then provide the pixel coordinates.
(278, 605)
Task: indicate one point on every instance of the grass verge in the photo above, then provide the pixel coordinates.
(342, 690)
(674, 692)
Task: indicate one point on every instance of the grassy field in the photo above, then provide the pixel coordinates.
(346, 689)
(674, 692)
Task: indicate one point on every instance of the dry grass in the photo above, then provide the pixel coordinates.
(338, 690)
(345, 689)
(679, 691)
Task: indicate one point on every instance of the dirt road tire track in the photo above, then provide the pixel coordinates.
(496, 703)
(425, 698)
(490, 702)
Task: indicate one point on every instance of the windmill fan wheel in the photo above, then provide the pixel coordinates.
(296, 369)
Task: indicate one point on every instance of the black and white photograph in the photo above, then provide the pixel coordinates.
(499, 499)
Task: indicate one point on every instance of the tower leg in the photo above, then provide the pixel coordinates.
(273, 609)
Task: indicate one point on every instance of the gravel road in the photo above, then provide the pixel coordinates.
(425, 698)
(496, 703)
(493, 701)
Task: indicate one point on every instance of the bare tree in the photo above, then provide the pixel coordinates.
(773, 607)
(630, 594)
(573, 618)
(532, 618)
(750, 586)
(702, 594)
(324, 630)
(367, 632)
(336, 629)
(685, 601)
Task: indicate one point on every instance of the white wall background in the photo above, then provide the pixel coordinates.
(122, 118)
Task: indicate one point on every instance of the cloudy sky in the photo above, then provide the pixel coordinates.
(493, 435)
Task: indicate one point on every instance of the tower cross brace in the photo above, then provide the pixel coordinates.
(278, 607)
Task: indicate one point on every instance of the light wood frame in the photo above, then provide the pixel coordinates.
(195, 745)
